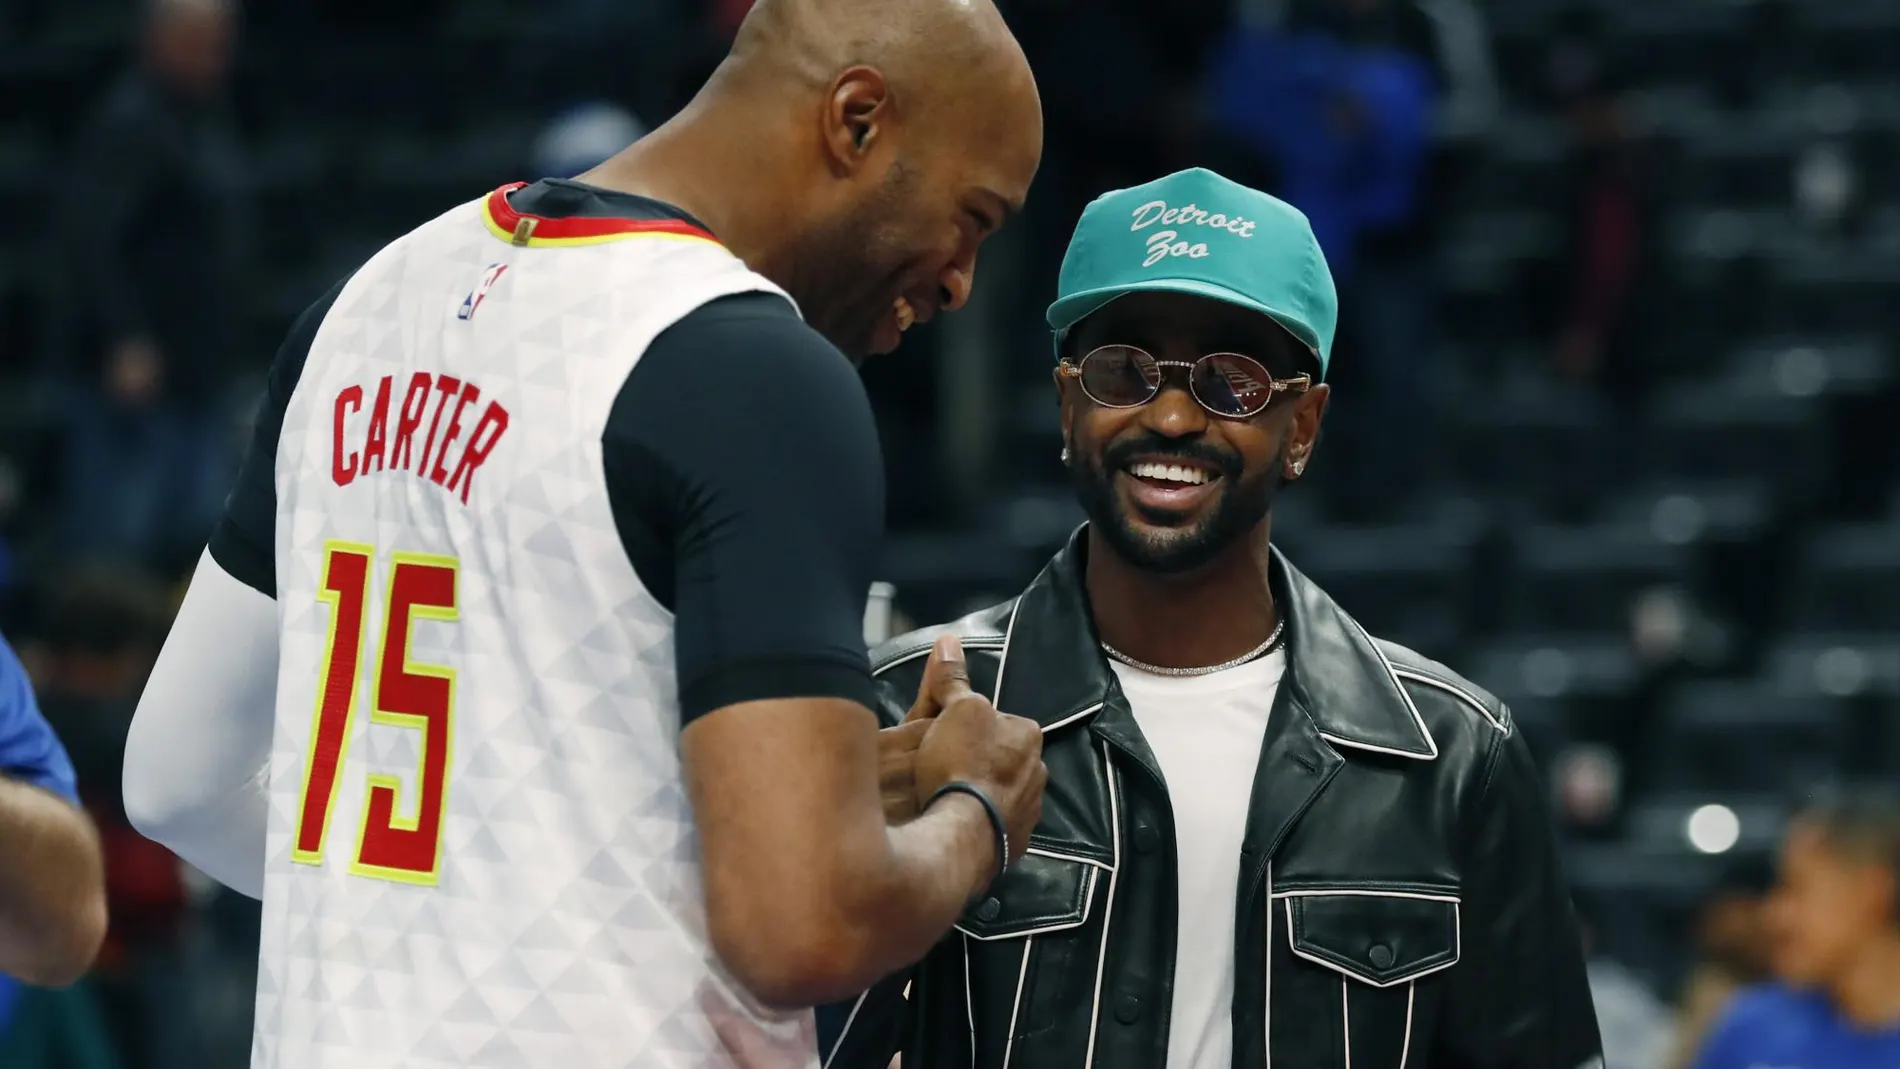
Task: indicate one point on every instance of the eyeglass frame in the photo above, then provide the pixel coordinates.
(1295, 384)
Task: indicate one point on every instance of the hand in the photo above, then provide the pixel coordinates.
(969, 740)
(897, 747)
(133, 371)
(897, 769)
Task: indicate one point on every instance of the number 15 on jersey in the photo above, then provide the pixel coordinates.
(402, 694)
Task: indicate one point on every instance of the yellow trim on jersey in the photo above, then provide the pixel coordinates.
(334, 599)
(524, 237)
(378, 715)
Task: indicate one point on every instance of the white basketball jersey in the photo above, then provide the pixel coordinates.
(480, 852)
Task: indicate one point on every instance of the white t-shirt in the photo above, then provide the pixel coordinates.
(1206, 733)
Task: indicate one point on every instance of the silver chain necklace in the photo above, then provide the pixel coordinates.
(1154, 669)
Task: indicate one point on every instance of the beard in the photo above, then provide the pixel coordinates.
(1165, 544)
(849, 269)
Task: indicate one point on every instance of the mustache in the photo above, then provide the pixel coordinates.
(1118, 454)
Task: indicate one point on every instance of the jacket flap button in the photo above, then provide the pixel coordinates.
(1039, 894)
(1380, 938)
(1128, 1011)
(1146, 838)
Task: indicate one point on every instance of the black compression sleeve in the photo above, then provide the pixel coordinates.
(743, 468)
(244, 543)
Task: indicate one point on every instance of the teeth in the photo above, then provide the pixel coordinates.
(1173, 473)
(906, 315)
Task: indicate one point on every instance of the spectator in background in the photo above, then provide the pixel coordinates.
(1603, 288)
(102, 630)
(1341, 111)
(52, 893)
(1633, 1021)
(728, 14)
(154, 236)
(1835, 923)
(583, 138)
(639, 55)
(11, 491)
(1451, 35)
(1118, 111)
(1338, 100)
(1732, 954)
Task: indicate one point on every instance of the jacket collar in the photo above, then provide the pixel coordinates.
(1053, 671)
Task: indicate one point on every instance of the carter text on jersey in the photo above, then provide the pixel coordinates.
(445, 458)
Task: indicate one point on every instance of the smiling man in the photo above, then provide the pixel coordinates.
(1268, 838)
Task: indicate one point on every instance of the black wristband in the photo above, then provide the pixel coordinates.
(957, 786)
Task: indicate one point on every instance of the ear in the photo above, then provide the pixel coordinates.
(1065, 406)
(1065, 394)
(857, 118)
(1303, 437)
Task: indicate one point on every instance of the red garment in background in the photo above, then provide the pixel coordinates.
(145, 890)
(1610, 255)
(727, 14)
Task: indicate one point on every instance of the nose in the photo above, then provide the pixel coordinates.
(1174, 413)
(956, 282)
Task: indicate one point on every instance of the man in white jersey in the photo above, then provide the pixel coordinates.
(1270, 841)
(524, 679)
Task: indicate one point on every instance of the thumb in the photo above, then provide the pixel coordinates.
(946, 678)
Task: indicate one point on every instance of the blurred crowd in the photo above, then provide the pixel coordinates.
(142, 346)
(144, 331)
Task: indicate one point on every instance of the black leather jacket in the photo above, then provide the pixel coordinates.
(1400, 905)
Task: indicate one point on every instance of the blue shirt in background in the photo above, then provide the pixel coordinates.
(29, 753)
(1280, 92)
(1773, 1026)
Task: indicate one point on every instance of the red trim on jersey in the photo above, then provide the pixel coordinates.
(547, 229)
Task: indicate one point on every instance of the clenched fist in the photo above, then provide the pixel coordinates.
(963, 737)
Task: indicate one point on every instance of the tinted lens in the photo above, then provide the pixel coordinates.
(1231, 384)
(1120, 376)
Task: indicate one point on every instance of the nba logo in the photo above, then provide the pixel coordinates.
(475, 297)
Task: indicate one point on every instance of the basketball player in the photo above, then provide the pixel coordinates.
(524, 677)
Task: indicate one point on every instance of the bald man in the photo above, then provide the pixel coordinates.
(524, 678)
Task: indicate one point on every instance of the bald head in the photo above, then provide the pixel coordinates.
(919, 44)
(936, 57)
(856, 152)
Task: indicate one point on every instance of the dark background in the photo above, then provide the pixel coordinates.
(1612, 431)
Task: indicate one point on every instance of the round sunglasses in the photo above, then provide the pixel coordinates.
(1229, 385)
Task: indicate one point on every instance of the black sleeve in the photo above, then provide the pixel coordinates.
(743, 468)
(1520, 996)
(244, 543)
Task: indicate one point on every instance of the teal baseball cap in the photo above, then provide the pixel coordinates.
(1197, 232)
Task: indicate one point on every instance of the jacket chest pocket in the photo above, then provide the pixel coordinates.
(1024, 942)
(1357, 959)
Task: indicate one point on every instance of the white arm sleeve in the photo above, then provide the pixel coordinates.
(199, 748)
